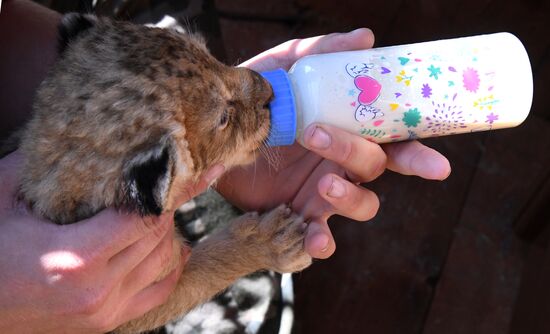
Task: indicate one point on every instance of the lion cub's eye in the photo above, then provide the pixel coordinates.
(224, 119)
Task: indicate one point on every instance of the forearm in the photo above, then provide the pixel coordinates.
(28, 35)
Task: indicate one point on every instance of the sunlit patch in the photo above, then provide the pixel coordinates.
(56, 262)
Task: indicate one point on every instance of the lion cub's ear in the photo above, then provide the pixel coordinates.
(71, 26)
(147, 179)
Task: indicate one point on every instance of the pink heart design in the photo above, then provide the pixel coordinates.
(369, 87)
(378, 122)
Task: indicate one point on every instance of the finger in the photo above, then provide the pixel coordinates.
(249, 196)
(109, 232)
(161, 260)
(348, 199)
(152, 296)
(363, 160)
(286, 54)
(319, 242)
(192, 190)
(153, 266)
(125, 229)
(154, 249)
(414, 158)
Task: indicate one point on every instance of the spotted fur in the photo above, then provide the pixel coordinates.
(130, 114)
(120, 95)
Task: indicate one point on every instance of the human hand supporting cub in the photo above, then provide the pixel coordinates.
(88, 277)
(325, 178)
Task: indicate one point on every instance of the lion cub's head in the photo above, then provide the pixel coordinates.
(130, 113)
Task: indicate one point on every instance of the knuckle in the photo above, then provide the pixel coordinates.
(90, 302)
(91, 257)
(380, 167)
(383, 160)
(377, 165)
(345, 153)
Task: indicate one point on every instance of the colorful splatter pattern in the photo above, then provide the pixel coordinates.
(435, 72)
(470, 78)
(411, 96)
(411, 118)
(487, 102)
(404, 78)
(445, 119)
(426, 91)
(491, 118)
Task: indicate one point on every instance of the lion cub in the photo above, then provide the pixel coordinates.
(125, 118)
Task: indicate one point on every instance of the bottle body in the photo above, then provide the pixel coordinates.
(416, 91)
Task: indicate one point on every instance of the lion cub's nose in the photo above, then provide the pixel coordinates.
(262, 92)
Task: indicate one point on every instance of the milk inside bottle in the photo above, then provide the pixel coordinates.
(406, 92)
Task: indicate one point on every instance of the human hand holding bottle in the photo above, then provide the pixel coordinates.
(405, 92)
(325, 178)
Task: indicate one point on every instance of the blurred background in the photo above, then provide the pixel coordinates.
(466, 255)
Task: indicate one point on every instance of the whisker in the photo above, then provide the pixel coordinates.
(255, 170)
(271, 155)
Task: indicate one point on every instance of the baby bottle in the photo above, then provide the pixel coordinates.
(406, 92)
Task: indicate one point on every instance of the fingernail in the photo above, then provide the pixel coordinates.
(319, 139)
(214, 173)
(337, 189)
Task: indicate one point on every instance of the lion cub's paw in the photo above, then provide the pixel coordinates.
(276, 239)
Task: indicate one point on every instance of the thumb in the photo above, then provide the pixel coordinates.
(319, 242)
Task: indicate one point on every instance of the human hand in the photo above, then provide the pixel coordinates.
(325, 178)
(87, 277)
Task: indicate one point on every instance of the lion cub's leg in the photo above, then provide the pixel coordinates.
(273, 241)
